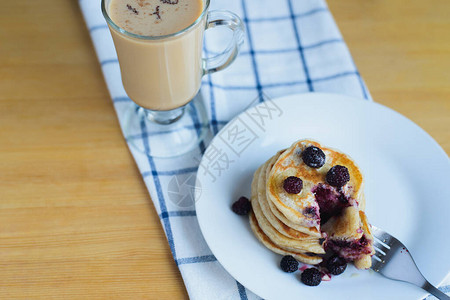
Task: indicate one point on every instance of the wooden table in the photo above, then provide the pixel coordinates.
(76, 220)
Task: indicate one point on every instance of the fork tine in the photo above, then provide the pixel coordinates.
(377, 258)
(377, 263)
(391, 242)
(377, 242)
(384, 238)
(377, 249)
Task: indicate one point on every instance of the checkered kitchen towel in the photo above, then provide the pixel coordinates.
(290, 47)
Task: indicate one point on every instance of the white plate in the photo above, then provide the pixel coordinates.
(407, 189)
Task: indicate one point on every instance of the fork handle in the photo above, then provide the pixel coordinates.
(434, 291)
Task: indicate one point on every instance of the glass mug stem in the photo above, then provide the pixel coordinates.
(164, 117)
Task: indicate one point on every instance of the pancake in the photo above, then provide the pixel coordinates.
(290, 163)
(354, 245)
(312, 231)
(260, 235)
(365, 261)
(346, 226)
(267, 212)
(298, 224)
(293, 244)
(272, 232)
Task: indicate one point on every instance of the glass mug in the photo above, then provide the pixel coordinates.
(162, 75)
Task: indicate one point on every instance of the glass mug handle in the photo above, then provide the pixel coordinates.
(221, 61)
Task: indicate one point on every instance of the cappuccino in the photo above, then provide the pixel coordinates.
(161, 70)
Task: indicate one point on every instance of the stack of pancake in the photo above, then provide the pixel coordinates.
(292, 224)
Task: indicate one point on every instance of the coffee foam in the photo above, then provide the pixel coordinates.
(154, 17)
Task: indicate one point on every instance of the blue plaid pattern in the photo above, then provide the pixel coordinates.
(290, 47)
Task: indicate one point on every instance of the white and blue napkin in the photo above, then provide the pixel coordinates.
(290, 47)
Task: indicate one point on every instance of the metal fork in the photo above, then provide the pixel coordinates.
(393, 260)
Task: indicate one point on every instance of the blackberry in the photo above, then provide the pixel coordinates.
(336, 265)
(289, 264)
(338, 176)
(242, 206)
(313, 157)
(311, 277)
(293, 185)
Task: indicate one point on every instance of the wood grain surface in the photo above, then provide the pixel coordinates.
(76, 221)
